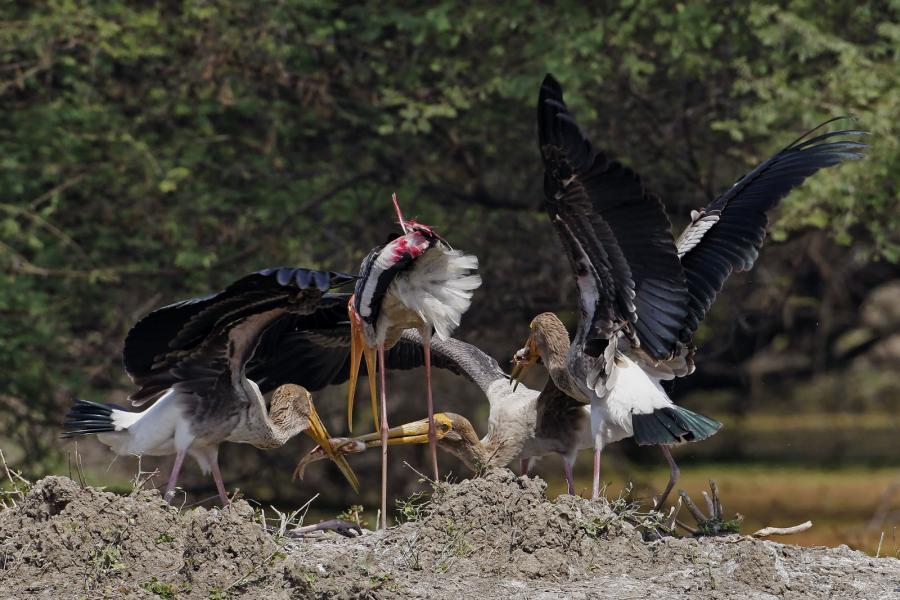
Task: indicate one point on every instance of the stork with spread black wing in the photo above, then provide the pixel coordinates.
(192, 356)
(643, 295)
(416, 281)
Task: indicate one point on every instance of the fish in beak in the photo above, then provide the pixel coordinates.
(415, 432)
(319, 434)
(359, 349)
(522, 360)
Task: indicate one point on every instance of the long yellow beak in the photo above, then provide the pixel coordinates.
(358, 349)
(415, 432)
(320, 435)
(522, 361)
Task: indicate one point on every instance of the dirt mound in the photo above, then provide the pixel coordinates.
(491, 537)
(68, 541)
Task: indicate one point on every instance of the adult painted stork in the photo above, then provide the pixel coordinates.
(193, 355)
(416, 281)
(642, 294)
(523, 424)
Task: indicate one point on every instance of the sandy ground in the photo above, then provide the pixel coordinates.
(491, 537)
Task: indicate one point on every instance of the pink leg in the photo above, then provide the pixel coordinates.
(524, 466)
(570, 480)
(674, 472)
(173, 478)
(382, 367)
(595, 490)
(217, 477)
(432, 433)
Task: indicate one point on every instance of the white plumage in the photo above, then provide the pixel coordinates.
(439, 287)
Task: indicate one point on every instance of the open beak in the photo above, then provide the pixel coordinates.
(415, 432)
(358, 349)
(522, 360)
(319, 434)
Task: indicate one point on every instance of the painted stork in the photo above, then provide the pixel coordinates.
(416, 281)
(192, 356)
(642, 293)
(523, 424)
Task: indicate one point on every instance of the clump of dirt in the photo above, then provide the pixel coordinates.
(495, 536)
(501, 524)
(82, 542)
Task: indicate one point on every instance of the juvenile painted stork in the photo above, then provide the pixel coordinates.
(642, 294)
(416, 281)
(523, 424)
(192, 355)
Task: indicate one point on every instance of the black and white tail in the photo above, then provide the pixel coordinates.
(672, 425)
(88, 418)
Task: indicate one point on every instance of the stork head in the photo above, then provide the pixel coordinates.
(548, 336)
(292, 408)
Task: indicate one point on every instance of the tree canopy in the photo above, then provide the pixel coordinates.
(154, 151)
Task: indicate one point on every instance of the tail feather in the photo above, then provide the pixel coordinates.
(88, 418)
(672, 425)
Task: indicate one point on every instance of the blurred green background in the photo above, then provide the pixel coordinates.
(150, 152)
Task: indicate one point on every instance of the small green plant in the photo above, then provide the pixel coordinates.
(354, 515)
(217, 594)
(625, 510)
(106, 559)
(713, 527)
(164, 538)
(412, 509)
(13, 492)
(158, 588)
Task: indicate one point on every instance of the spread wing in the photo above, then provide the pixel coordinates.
(727, 235)
(194, 343)
(617, 236)
(315, 353)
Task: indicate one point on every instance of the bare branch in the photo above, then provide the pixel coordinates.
(767, 531)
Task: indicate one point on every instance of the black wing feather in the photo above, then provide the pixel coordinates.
(600, 209)
(189, 340)
(734, 241)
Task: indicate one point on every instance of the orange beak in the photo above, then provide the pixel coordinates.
(358, 349)
(319, 434)
(522, 360)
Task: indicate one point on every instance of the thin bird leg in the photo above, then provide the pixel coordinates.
(173, 478)
(217, 477)
(382, 366)
(595, 490)
(432, 431)
(674, 472)
(570, 480)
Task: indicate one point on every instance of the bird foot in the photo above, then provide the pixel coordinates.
(713, 525)
(339, 526)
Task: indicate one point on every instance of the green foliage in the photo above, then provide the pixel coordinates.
(158, 588)
(152, 152)
(354, 514)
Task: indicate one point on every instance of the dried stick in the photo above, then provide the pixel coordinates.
(716, 500)
(767, 531)
(692, 508)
